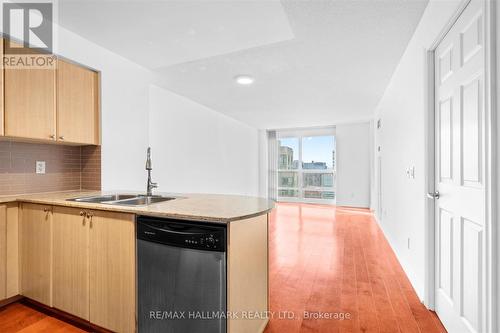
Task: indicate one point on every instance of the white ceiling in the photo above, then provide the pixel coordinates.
(164, 32)
(315, 63)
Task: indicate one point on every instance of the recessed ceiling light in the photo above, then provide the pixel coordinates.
(244, 79)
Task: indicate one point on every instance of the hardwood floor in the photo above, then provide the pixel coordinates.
(323, 259)
(20, 318)
(336, 261)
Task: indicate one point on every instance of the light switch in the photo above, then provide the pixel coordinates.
(40, 167)
(412, 172)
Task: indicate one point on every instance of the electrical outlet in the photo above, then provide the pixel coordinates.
(40, 167)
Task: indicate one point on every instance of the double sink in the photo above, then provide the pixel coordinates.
(123, 199)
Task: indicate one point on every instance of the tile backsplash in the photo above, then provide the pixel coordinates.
(66, 167)
(91, 168)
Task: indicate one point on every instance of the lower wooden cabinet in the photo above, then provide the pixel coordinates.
(70, 273)
(112, 271)
(247, 273)
(81, 262)
(3, 251)
(9, 253)
(35, 252)
(12, 250)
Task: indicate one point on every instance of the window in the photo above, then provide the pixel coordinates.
(306, 168)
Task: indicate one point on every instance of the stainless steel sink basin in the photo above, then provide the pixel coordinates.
(104, 198)
(123, 199)
(142, 201)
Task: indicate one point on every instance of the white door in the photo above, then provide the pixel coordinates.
(460, 174)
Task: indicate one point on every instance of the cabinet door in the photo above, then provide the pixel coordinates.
(70, 274)
(12, 283)
(112, 271)
(35, 250)
(30, 103)
(9, 251)
(77, 104)
(3, 251)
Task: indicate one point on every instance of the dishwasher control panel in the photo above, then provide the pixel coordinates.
(187, 234)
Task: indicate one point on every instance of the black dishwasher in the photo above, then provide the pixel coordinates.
(181, 268)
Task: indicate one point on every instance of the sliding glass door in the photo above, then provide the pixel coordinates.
(306, 167)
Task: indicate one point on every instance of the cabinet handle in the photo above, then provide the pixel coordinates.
(47, 211)
(82, 213)
(53, 137)
(61, 137)
(90, 215)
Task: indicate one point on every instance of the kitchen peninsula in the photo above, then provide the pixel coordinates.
(79, 258)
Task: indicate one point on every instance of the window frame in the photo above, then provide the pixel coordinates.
(300, 135)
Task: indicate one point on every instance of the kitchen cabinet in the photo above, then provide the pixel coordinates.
(59, 104)
(112, 271)
(30, 103)
(35, 252)
(9, 258)
(1, 92)
(247, 273)
(92, 258)
(77, 104)
(12, 249)
(70, 277)
(3, 251)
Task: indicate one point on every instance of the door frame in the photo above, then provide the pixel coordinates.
(490, 106)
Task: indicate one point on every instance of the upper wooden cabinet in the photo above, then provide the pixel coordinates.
(1, 92)
(77, 104)
(56, 104)
(30, 103)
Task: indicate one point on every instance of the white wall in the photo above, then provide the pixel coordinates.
(353, 145)
(124, 106)
(263, 164)
(196, 149)
(402, 139)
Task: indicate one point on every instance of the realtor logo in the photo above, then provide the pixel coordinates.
(31, 23)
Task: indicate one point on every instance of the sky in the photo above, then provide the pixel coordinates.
(314, 148)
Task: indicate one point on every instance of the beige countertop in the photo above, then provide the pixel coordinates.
(199, 207)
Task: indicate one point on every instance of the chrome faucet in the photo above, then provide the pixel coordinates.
(149, 167)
